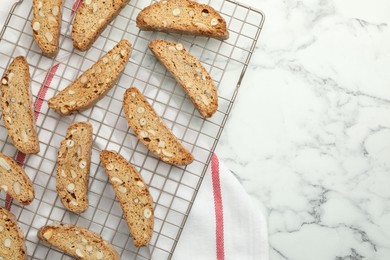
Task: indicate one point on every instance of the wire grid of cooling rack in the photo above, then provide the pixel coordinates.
(173, 188)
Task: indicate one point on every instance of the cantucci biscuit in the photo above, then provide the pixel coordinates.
(190, 73)
(15, 181)
(183, 16)
(46, 25)
(94, 83)
(12, 242)
(74, 161)
(16, 106)
(133, 195)
(92, 17)
(77, 242)
(151, 131)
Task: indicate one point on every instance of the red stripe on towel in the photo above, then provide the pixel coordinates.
(20, 157)
(42, 92)
(218, 208)
(76, 6)
(8, 202)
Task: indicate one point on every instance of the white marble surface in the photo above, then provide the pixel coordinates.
(309, 135)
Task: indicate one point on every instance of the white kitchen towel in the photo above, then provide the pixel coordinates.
(223, 223)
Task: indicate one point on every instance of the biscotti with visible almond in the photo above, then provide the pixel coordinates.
(74, 161)
(12, 242)
(183, 16)
(94, 83)
(77, 242)
(190, 73)
(15, 181)
(46, 25)
(133, 195)
(151, 131)
(92, 17)
(16, 103)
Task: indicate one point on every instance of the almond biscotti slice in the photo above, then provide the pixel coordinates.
(12, 243)
(133, 195)
(74, 161)
(190, 73)
(77, 241)
(15, 181)
(183, 16)
(46, 25)
(91, 19)
(94, 83)
(16, 105)
(151, 131)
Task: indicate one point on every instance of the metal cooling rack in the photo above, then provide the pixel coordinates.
(173, 188)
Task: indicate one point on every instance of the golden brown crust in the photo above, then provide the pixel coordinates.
(94, 83)
(12, 246)
(46, 25)
(190, 73)
(77, 241)
(74, 161)
(92, 17)
(133, 195)
(151, 131)
(183, 16)
(16, 102)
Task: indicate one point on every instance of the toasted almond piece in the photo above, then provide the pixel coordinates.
(99, 255)
(70, 187)
(176, 11)
(4, 164)
(78, 253)
(17, 188)
(69, 143)
(115, 179)
(47, 235)
(122, 189)
(147, 213)
(214, 22)
(36, 26)
(55, 10)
